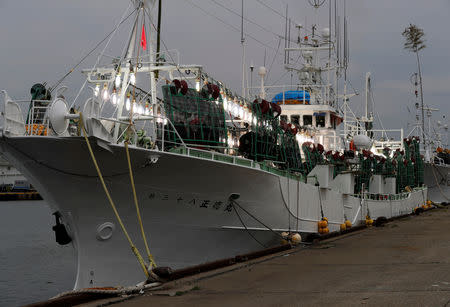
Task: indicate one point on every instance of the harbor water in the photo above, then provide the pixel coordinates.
(33, 267)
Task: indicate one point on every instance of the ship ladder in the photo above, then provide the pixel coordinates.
(111, 202)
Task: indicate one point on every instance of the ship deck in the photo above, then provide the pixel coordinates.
(405, 262)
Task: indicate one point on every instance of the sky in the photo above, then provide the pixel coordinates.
(42, 39)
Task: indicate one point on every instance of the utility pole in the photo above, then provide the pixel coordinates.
(414, 42)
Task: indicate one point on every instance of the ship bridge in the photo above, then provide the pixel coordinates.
(311, 116)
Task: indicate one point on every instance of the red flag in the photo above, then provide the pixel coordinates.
(143, 39)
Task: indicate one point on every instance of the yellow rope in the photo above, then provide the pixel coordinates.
(138, 212)
(133, 247)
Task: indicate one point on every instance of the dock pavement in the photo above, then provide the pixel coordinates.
(406, 262)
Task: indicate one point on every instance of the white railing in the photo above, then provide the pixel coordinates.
(438, 161)
(37, 124)
(387, 196)
(37, 119)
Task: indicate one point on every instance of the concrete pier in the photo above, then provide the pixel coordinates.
(404, 263)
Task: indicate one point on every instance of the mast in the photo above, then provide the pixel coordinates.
(336, 60)
(243, 49)
(158, 38)
(329, 54)
(252, 67)
(367, 94)
(129, 54)
(286, 53)
(152, 61)
(141, 6)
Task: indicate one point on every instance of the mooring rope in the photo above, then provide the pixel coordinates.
(111, 202)
(320, 201)
(246, 229)
(138, 212)
(233, 202)
(112, 290)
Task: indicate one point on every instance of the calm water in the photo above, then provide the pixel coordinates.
(33, 267)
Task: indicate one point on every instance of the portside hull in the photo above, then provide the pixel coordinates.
(184, 203)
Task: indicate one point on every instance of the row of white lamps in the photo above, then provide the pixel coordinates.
(138, 108)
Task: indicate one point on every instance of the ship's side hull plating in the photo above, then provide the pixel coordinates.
(437, 178)
(184, 202)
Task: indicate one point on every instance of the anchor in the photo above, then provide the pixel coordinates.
(61, 235)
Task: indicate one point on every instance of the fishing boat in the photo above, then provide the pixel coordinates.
(166, 160)
(437, 167)
(437, 177)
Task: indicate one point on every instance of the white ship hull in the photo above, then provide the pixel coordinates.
(184, 203)
(437, 178)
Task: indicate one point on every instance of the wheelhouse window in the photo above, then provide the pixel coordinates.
(307, 120)
(295, 119)
(320, 120)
